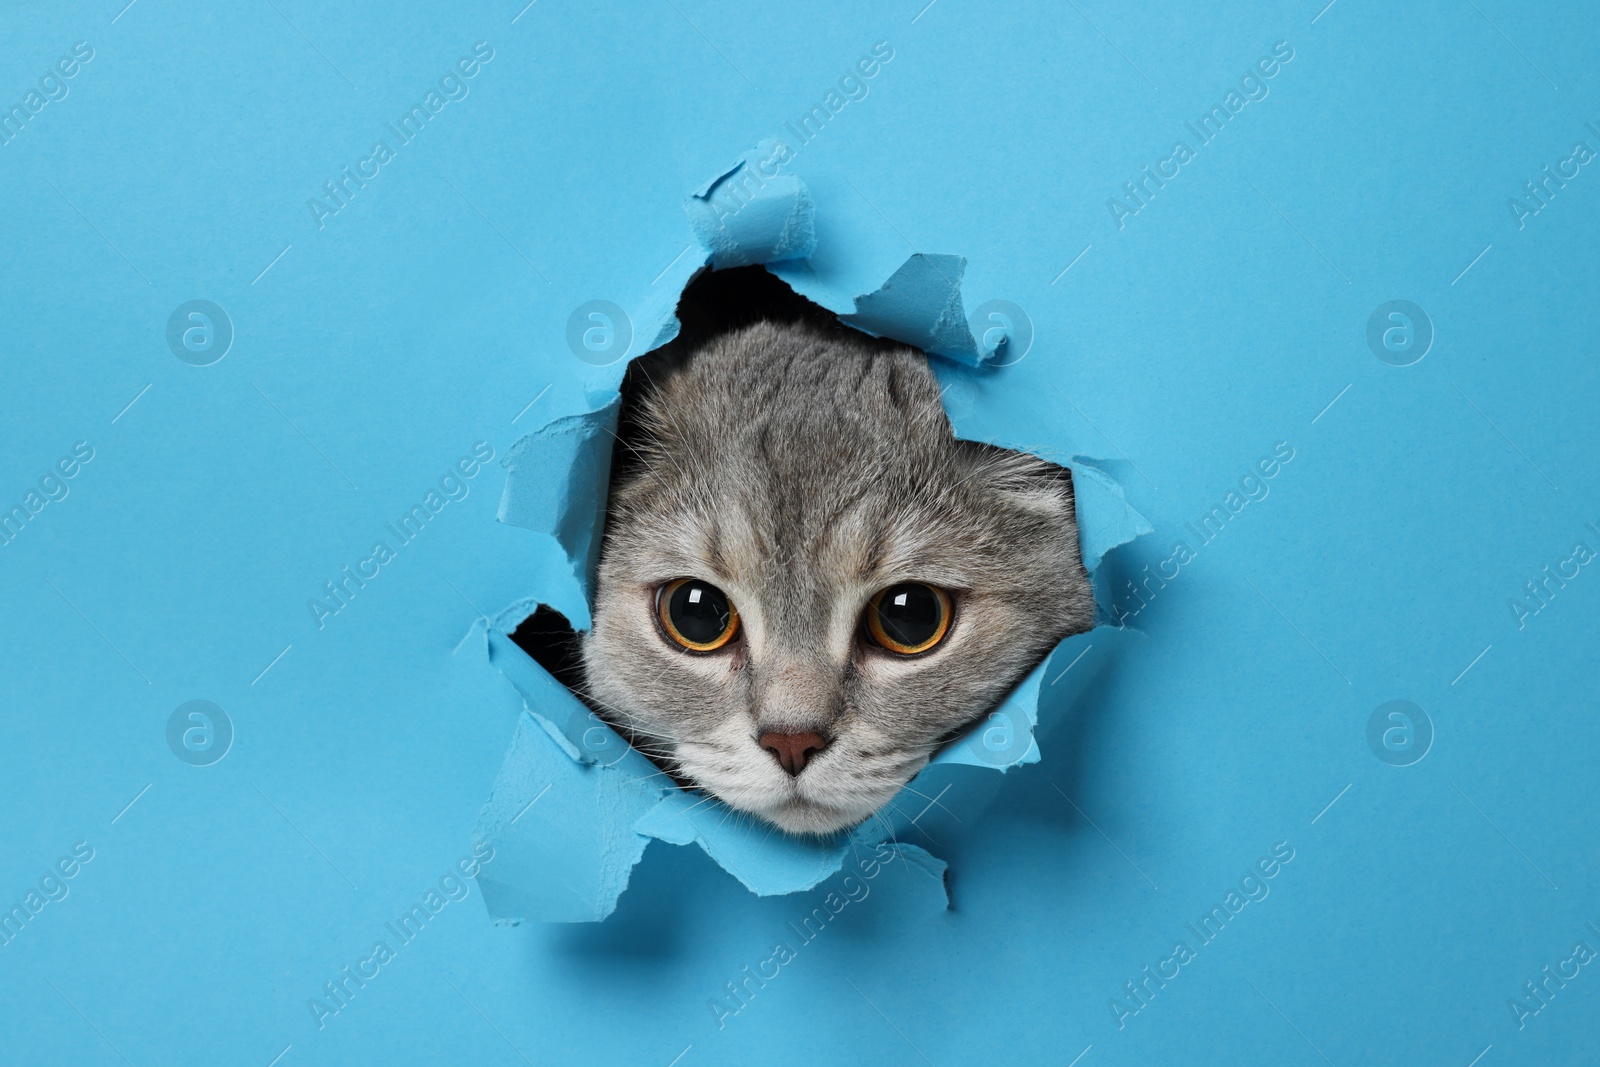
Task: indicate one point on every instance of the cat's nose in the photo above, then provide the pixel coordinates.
(793, 751)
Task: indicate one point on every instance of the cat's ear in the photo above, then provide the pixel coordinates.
(1022, 480)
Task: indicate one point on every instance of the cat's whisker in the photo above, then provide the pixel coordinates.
(931, 800)
(730, 811)
(647, 747)
(647, 777)
(709, 797)
(653, 751)
(771, 827)
(902, 812)
(888, 826)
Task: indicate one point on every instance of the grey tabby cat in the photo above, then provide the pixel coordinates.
(807, 583)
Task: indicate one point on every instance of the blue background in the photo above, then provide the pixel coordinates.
(1228, 315)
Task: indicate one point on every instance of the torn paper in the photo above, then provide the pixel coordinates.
(573, 808)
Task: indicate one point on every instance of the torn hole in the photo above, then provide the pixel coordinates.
(895, 582)
(570, 853)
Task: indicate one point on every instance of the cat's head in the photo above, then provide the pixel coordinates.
(807, 583)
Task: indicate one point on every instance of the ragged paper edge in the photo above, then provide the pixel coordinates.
(920, 304)
(572, 509)
(753, 212)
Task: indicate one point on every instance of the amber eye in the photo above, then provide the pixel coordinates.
(908, 618)
(696, 614)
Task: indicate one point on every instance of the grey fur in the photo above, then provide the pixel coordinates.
(802, 472)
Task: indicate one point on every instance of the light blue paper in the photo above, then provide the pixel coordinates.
(170, 503)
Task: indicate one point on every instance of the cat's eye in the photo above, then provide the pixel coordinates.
(696, 615)
(908, 618)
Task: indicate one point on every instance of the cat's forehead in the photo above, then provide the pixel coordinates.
(765, 533)
(794, 396)
(814, 462)
(788, 441)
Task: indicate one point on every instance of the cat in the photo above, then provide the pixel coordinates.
(806, 584)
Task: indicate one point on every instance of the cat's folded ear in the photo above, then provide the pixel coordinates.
(1022, 480)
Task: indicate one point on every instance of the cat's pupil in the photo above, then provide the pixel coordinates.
(910, 614)
(699, 611)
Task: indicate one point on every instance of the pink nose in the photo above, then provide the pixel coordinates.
(793, 751)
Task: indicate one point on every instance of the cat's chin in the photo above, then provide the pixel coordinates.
(805, 817)
(794, 807)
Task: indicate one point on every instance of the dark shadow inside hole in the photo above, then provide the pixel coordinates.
(721, 301)
(549, 639)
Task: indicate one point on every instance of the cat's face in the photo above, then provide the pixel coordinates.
(807, 584)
